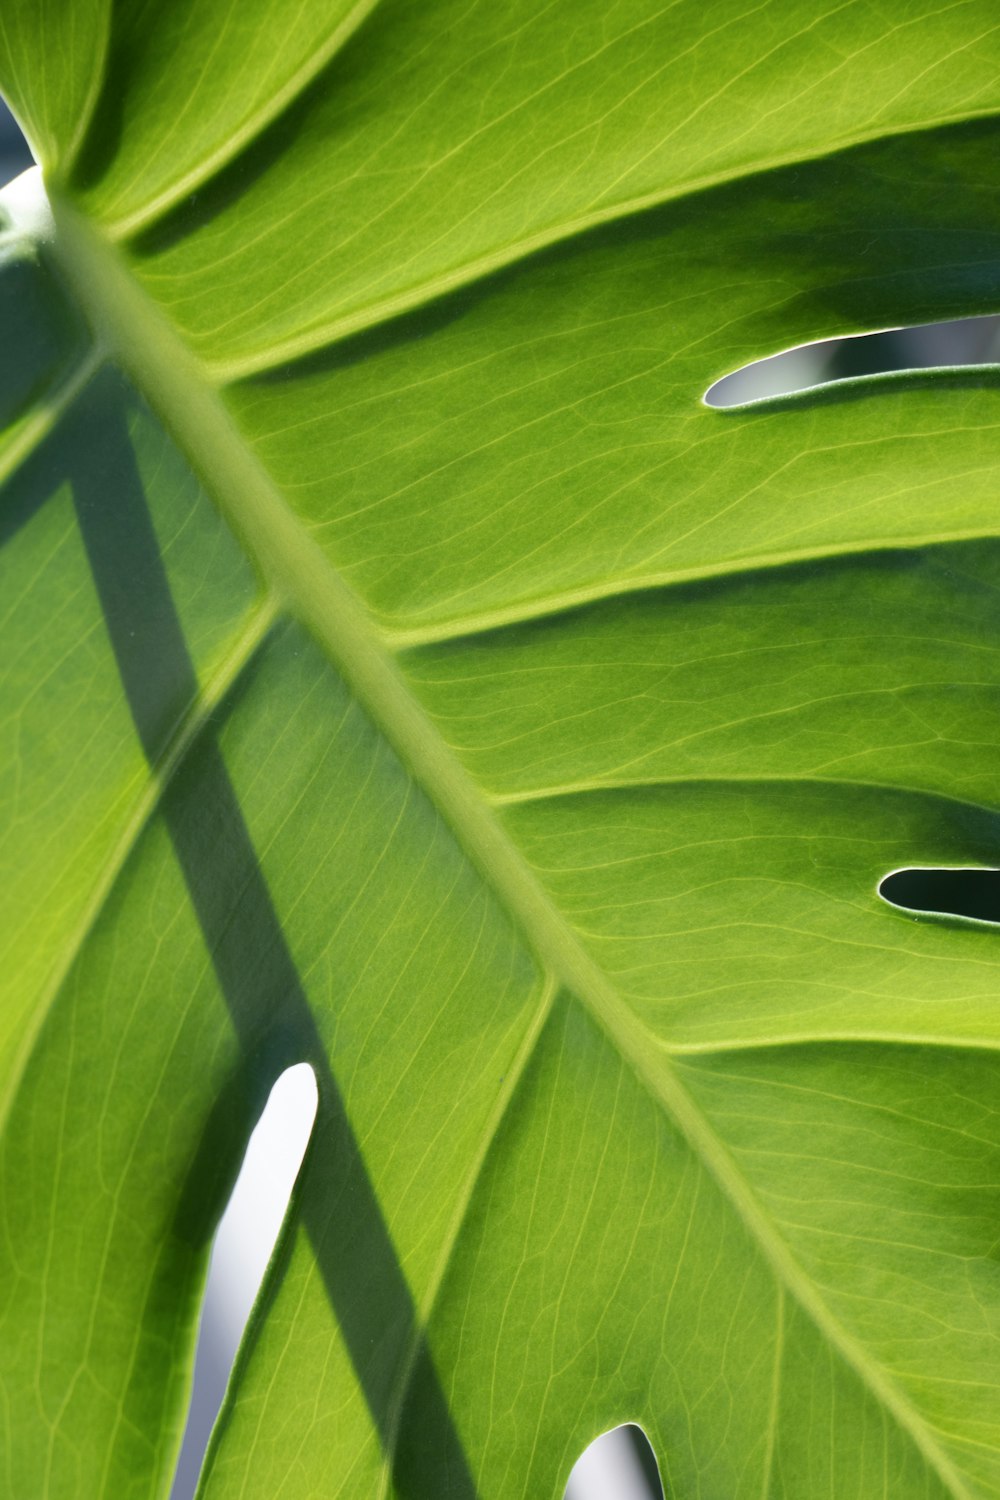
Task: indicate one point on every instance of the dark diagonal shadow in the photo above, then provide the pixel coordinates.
(256, 973)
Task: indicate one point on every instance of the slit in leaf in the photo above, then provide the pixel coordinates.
(973, 893)
(244, 1242)
(619, 1465)
(965, 342)
(15, 153)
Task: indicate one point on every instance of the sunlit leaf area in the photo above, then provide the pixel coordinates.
(498, 675)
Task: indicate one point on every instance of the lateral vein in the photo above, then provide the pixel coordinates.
(323, 335)
(159, 206)
(498, 1114)
(46, 416)
(161, 773)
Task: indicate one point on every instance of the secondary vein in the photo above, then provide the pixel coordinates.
(200, 713)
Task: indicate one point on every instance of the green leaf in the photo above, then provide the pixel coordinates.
(52, 56)
(405, 672)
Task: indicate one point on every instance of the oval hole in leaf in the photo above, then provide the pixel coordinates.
(15, 155)
(962, 342)
(619, 1465)
(241, 1250)
(958, 893)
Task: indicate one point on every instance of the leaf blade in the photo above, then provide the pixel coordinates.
(624, 1022)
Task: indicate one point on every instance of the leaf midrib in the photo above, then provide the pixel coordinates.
(299, 576)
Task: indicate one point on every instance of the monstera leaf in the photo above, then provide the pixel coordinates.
(406, 672)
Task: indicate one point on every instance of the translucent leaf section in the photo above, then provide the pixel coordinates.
(52, 60)
(541, 439)
(76, 782)
(452, 138)
(468, 711)
(234, 68)
(149, 1064)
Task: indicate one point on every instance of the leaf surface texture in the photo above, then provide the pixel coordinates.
(404, 671)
